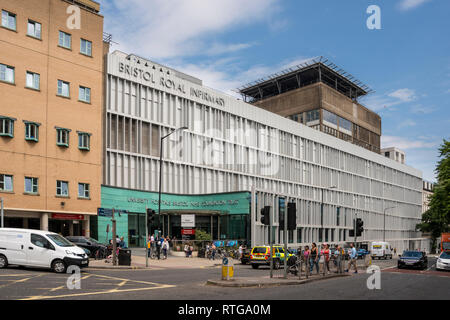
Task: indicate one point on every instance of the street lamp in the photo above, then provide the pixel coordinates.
(321, 208)
(160, 163)
(384, 223)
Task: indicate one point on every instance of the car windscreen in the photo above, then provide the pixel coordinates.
(93, 241)
(259, 250)
(445, 255)
(412, 254)
(60, 241)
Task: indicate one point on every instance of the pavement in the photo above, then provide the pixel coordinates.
(264, 282)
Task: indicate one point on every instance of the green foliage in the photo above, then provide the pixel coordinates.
(202, 235)
(437, 219)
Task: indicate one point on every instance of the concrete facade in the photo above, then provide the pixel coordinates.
(44, 159)
(232, 146)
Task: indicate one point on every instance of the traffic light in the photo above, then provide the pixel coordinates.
(359, 227)
(265, 215)
(151, 217)
(292, 216)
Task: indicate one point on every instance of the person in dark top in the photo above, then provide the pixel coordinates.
(314, 258)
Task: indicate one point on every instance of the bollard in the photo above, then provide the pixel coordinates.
(227, 269)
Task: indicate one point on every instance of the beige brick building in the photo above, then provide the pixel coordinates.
(51, 89)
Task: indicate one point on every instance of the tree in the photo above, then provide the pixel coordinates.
(436, 219)
(202, 235)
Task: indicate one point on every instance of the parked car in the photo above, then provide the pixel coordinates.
(41, 249)
(413, 259)
(362, 253)
(443, 262)
(88, 243)
(260, 255)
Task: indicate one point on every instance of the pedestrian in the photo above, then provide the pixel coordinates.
(395, 251)
(326, 258)
(338, 258)
(314, 258)
(213, 251)
(165, 248)
(123, 245)
(149, 250)
(191, 249)
(186, 250)
(241, 251)
(158, 247)
(353, 256)
(306, 254)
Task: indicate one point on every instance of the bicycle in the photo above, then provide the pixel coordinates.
(101, 253)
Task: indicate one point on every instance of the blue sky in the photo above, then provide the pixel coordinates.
(228, 43)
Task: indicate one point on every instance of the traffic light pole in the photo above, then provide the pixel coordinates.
(114, 242)
(146, 238)
(285, 240)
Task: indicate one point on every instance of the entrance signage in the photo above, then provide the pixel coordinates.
(150, 77)
(64, 216)
(188, 232)
(188, 220)
(102, 212)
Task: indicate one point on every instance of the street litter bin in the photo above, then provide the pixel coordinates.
(201, 253)
(227, 269)
(124, 257)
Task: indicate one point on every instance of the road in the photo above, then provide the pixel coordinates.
(180, 284)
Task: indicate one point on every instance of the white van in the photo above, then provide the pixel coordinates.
(42, 249)
(380, 250)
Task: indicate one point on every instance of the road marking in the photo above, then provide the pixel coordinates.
(164, 286)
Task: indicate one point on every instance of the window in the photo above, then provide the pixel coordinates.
(83, 190)
(6, 182)
(65, 40)
(86, 47)
(8, 20)
(84, 140)
(62, 188)
(387, 154)
(31, 185)
(31, 131)
(38, 240)
(330, 119)
(6, 73)
(312, 115)
(85, 94)
(34, 29)
(62, 137)
(7, 127)
(63, 88)
(345, 126)
(33, 80)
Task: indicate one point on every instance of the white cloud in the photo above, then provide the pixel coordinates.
(166, 29)
(404, 95)
(411, 4)
(407, 123)
(408, 144)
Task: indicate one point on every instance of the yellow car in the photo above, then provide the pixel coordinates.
(260, 255)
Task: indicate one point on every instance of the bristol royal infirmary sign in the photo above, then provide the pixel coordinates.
(170, 84)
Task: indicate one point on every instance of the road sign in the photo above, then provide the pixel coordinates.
(188, 220)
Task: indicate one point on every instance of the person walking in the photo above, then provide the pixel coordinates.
(314, 258)
(241, 251)
(353, 256)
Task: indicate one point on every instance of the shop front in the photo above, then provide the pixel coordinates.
(224, 216)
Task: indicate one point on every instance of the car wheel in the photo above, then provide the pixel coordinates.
(3, 261)
(255, 266)
(59, 266)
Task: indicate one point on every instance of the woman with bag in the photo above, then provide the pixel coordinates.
(314, 258)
